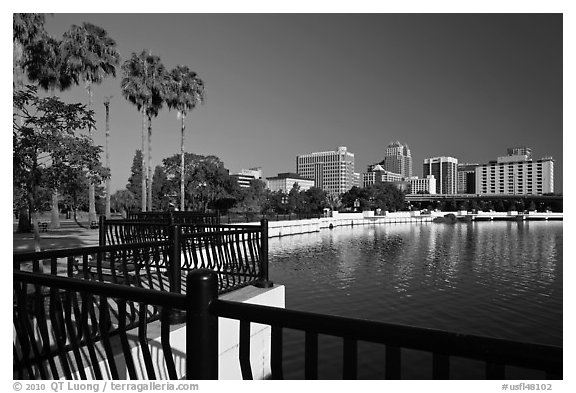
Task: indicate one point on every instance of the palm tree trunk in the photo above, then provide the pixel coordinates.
(143, 175)
(55, 214)
(91, 189)
(182, 165)
(107, 212)
(149, 163)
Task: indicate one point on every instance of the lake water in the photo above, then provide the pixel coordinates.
(499, 279)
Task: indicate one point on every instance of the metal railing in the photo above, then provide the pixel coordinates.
(231, 218)
(61, 324)
(496, 353)
(77, 329)
(176, 217)
(155, 256)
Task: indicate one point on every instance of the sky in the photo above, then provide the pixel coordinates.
(278, 85)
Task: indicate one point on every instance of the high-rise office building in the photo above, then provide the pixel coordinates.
(467, 178)
(444, 170)
(397, 159)
(516, 174)
(332, 171)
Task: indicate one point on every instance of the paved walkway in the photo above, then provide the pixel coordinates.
(69, 236)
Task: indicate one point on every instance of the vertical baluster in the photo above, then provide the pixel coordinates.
(20, 323)
(105, 324)
(74, 340)
(440, 366)
(126, 351)
(311, 355)
(245, 350)
(165, 341)
(88, 342)
(57, 320)
(54, 266)
(350, 361)
(227, 262)
(393, 362)
(144, 342)
(43, 328)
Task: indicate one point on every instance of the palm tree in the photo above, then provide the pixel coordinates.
(90, 56)
(185, 91)
(143, 84)
(44, 65)
(27, 29)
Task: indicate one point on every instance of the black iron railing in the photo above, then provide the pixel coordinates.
(70, 328)
(155, 256)
(176, 217)
(63, 326)
(232, 218)
(496, 353)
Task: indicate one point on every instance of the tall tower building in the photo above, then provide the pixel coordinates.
(445, 171)
(398, 159)
(332, 171)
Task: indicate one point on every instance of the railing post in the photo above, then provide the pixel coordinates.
(102, 231)
(264, 282)
(201, 325)
(175, 263)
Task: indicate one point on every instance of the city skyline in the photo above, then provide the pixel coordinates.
(280, 85)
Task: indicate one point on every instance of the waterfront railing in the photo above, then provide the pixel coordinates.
(175, 217)
(497, 354)
(65, 327)
(155, 255)
(73, 328)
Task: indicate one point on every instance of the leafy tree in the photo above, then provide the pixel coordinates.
(184, 91)
(254, 198)
(144, 85)
(350, 197)
(278, 202)
(385, 196)
(316, 199)
(45, 149)
(90, 55)
(123, 201)
(45, 66)
(135, 180)
(160, 189)
(207, 182)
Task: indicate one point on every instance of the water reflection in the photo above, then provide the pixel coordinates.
(494, 278)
